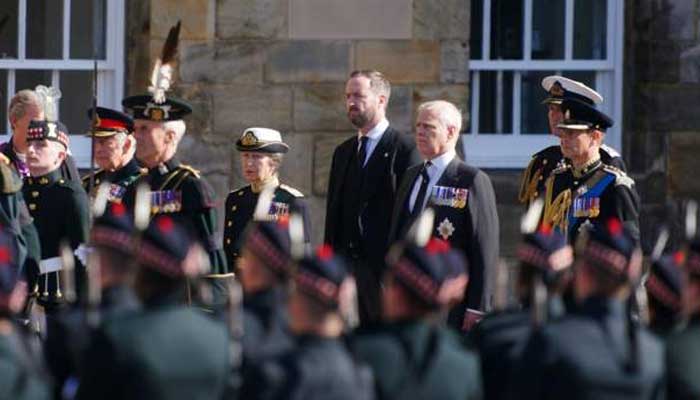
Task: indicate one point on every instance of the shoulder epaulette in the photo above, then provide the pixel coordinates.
(621, 178)
(610, 151)
(291, 190)
(561, 168)
(190, 169)
(86, 178)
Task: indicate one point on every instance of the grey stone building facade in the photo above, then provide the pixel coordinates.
(283, 64)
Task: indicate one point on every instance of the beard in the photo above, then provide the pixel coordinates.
(360, 119)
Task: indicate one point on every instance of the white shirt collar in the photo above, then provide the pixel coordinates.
(440, 162)
(375, 134)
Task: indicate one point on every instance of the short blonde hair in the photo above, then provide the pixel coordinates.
(21, 101)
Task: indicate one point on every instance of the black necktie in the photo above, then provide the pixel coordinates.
(362, 153)
(420, 198)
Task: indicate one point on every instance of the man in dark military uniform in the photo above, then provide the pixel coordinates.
(114, 154)
(545, 161)
(599, 352)
(167, 350)
(545, 258)
(365, 173)
(462, 197)
(664, 288)
(112, 239)
(587, 191)
(26, 106)
(683, 348)
(412, 358)
(21, 371)
(320, 366)
(177, 189)
(59, 208)
(261, 152)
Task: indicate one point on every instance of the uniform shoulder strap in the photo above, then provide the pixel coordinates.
(291, 190)
(621, 178)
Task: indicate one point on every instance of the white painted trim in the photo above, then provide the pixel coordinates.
(618, 57)
(66, 29)
(569, 30)
(486, 31)
(22, 30)
(475, 93)
(527, 30)
(541, 65)
(517, 111)
(503, 151)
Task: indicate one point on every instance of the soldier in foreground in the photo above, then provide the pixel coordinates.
(599, 352)
(411, 357)
(167, 350)
(547, 160)
(320, 366)
(262, 151)
(21, 369)
(114, 154)
(664, 287)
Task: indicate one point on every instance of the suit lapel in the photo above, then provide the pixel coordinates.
(401, 215)
(376, 168)
(449, 175)
(343, 162)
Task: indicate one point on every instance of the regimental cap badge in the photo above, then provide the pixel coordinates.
(249, 139)
(556, 90)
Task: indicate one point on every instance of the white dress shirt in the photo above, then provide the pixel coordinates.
(374, 136)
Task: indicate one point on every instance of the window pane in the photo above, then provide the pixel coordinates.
(82, 35)
(44, 29)
(477, 23)
(29, 79)
(590, 29)
(506, 29)
(496, 102)
(4, 101)
(76, 87)
(8, 29)
(548, 20)
(533, 114)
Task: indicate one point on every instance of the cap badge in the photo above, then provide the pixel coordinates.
(157, 112)
(249, 139)
(567, 114)
(52, 130)
(445, 229)
(556, 90)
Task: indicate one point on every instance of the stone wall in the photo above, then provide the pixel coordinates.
(266, 63)
(662, 94)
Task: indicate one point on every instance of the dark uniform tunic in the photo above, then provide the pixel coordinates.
(120, 180)
(165, 351)
(318, 368)
(590, 197)
(21, 375)
(683, 362)
(240, 206)
(60, 211)
(179, 191)
(68, 335)
(265, 325)
(413, 360)
(586, 356)
(547, 160)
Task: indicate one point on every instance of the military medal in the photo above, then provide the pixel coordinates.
(278, 210)
(445, 229)
(586, 207)
(116, 193)
(449, 196)
(166, 201)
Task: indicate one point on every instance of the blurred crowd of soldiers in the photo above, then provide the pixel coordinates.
(119, 286)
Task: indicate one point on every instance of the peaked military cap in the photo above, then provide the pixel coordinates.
(320, 275)
(48, 130)
(144, 107)
(432, 272)
(665, 280)
(546, 250)
(114, 229)
(165, 247)
(560, 88)
(581, 116)
(110, 122)
(9, 269)
(611, 248)
(270, 242)
(263, 140)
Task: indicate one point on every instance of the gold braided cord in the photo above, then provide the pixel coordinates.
(528, 184)
(555, 212)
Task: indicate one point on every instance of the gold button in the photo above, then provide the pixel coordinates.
(97, 182)
(35, 194)
(229, 223)
(234, 208)
(32, 206)
(228, 241)
(240, 193)
(61, 181)
(544, 162)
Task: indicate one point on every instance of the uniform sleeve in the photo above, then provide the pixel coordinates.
(483, 253)
(627, 208)
(77, 217)
(300, 206)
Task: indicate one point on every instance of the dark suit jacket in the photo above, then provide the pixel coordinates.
(475, 225)
(385, 168)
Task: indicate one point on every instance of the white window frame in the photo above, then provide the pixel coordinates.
(110, 76)
(514, 150)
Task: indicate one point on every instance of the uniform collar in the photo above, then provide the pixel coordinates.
(51, 177)
(586, 169)
(258, 187)
(130, 169)
(166, 167)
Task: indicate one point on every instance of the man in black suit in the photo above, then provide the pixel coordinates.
(365, 173)
(462, 196)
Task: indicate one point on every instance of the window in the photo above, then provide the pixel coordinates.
(51, 43)
(514, 44)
